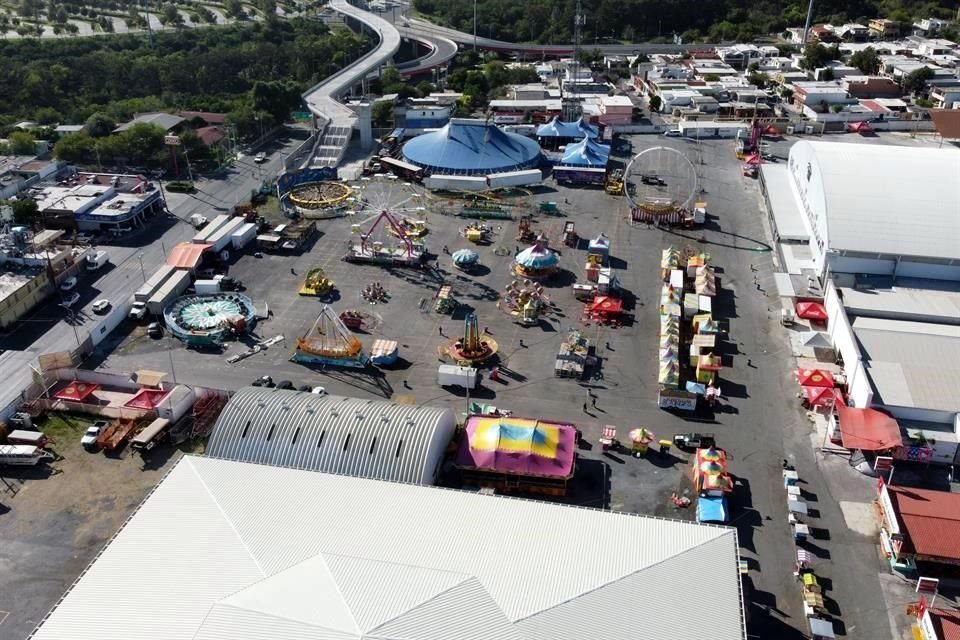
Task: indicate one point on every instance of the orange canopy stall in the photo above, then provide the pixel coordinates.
(186, 255)
(811, 311)
(815, 378)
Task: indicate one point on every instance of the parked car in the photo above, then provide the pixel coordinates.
(68, 284)
(263, 381)
(673, 133)
(320, 391)
(285, 384)
(89, 439)
(70, 299)
(260, 157)
(155, 330)
(691, 441)
(101, 306)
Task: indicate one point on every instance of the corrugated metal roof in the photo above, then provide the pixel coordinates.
(889, 199)
(226, 550)
(930, 519)
(911, 364)
(365, 438)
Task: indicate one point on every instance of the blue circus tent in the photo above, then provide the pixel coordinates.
(472, 147)
(586, 153)
(576, 130)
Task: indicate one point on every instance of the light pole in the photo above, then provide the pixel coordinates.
(806, 27)
(474, 25)
(142, 272)
(71, 320)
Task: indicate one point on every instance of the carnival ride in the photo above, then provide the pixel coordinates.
(315, 200)
(661, 184)
(316, 283)
(204, 320)
(524, 300)
(477, 233)
(329, 342)
(465, 259)
(412, 228)
(524, 233)
(374, 251)
(374, 293)
(472, 349)
(537, 262)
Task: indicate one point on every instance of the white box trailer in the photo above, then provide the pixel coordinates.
(514, 178)
(173, 287)
(243, 236)
(207, 287)
(153, 283)
(222, 237)
(456, 183)
(204, 234)
(449, 375)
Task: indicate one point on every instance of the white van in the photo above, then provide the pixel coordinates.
(23, 455)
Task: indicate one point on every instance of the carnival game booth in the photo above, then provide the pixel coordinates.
(710, 476)
(919, 530)
(517, 454)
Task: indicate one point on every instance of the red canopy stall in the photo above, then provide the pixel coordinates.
(815, 378)
(812, 311)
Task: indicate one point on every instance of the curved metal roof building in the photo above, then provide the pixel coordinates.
(349, 436)
(472, 147)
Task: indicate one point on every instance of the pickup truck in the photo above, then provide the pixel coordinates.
(691, 441)
(138, 311)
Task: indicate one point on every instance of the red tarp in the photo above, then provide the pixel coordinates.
(753, 158)
(819, 396)
(859, 127)
(811, 311)
(186, 255)
(76, 391)
(605, 304)
(146, 399)
(867, 429)
(815, 378)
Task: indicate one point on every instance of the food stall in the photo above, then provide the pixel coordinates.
(710, 476)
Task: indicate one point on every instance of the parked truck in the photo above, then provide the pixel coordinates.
(449, 375)
(243, 236)
(97, 259)
(207, 287)
(175, 285)
(197, 220)
(24, 455)
(33, 438)
(514, 178)
(221, 239)
(153, 283)
(580, 176)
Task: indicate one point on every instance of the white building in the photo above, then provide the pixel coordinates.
(224, 549)
(875, 209)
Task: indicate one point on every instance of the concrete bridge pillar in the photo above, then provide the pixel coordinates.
(364, 111)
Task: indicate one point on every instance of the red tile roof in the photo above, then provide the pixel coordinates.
(947, 122)
(930, 521)
(207, 116)
(210, 135)
(946, 622)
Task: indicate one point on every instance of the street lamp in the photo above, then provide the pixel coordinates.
(71, 320)
(142, 272)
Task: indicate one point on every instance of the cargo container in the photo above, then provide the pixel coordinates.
(449, 375)
(207, 287)
(583, 176)
(156, 280)
(203, 236)
(243, 236)
(514, 178)
(173, 287)
(221, 238)
(456, 183)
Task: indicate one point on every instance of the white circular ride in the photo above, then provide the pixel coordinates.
(661, 178)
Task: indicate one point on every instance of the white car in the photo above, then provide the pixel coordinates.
(260, 157)
(68, 284)
(320, 391)
(89, 439)
(70, 299)
(673, 133)
(101, 306)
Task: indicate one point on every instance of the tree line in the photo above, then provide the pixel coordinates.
(551, 21)
(246, 71)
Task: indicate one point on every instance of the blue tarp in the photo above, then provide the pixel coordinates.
(579, 129)
(697, 388)
(710, 509)
(472, 147)
(586, 153)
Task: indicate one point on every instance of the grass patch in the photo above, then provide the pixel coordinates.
(64, 426)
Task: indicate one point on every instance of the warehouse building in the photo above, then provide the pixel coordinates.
(224, 549)
(333, 434)
(868, 208)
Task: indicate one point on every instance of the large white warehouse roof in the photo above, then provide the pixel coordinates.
(895, 200)
(224, 549)
(334, 434)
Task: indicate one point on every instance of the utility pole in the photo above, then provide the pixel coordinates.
(474, 25)
(806, 26)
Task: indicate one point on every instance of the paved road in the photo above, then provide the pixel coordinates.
(47, 329)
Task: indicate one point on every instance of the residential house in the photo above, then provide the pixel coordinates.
(852, 32)
(823, 33)
(883, 28)
(815, 94)
(929, 26)
(870, 87)
(945, 97)
(166, 121)
(204, 118)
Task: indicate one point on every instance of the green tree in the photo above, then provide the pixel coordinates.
(77, 148)
(25, 210)
(99, 125)
(655, 103)
(22, 143)
(837, 108)
(759, 79)
(234, 9)
(169, 15)
(425, 88)
(383, 114)
(866, 60)
(817, 55)
(916, 81)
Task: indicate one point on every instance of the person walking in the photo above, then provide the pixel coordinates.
(584, 407)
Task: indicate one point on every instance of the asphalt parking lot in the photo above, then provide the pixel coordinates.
(56, 517)
(757, 423)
